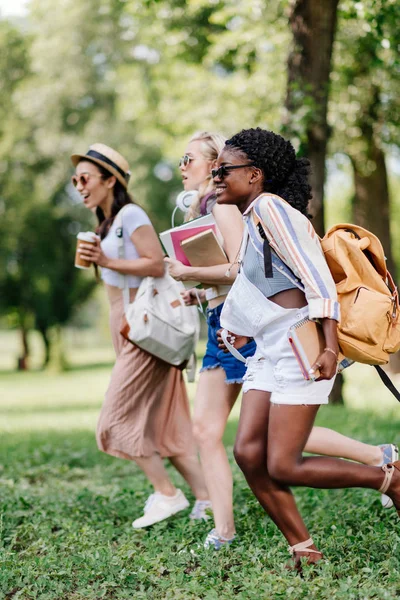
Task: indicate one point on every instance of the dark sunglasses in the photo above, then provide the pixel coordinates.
(222, 171)
(185, 160)
(83, 178)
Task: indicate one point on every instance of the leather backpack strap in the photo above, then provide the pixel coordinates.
(388, 382)
(266, 251)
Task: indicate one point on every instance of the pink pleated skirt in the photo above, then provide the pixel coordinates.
(146, 408)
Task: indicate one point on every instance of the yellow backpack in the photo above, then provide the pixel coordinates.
(369, 329)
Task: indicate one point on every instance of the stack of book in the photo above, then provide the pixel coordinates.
(197, 243)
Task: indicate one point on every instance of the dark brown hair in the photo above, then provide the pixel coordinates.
(121, 198)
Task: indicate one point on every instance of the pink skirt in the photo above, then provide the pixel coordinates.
(146, 409)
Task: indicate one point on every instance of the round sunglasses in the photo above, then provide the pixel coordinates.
(185, 160)
(83, 178)
(222, 171)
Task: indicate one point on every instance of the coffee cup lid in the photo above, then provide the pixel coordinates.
(87, 236)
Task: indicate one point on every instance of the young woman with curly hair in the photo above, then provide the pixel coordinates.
(258, 172)
(221, 376)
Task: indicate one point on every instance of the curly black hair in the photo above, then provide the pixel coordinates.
(284, 174)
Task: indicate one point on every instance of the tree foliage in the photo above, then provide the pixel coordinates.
(143, 76)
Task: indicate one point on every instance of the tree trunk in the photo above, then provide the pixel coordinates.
(371, 203)
(47, 345)
(313, 24)
(23, 359)
(371, 208)
(336, 395)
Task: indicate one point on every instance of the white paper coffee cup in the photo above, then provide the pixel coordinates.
(84, 237)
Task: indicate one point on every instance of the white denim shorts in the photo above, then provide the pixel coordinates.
(274, 368)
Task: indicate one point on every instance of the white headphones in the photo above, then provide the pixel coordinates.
(183, 202)
(185, 199)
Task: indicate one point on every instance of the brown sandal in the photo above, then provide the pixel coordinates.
(389, 470)
(303, 547)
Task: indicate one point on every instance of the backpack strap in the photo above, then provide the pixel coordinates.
(266, 251)
(388, 382)
(266, 248)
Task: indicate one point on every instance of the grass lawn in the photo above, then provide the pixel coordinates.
(66, 509)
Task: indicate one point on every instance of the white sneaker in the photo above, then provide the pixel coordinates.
(159, 507)
(199, 510)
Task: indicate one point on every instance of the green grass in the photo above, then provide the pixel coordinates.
(66, 509)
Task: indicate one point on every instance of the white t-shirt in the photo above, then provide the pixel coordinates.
(132, 218)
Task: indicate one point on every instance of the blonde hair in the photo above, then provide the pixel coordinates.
(211, 145)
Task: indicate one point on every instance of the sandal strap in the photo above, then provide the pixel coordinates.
(303, 546)
(388, 470)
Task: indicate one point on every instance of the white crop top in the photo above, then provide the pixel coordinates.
(217, 290)
(132, 218)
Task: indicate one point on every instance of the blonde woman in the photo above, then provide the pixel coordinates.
(220, 380)
(145, 415)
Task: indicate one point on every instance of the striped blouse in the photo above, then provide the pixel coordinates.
(295, 241)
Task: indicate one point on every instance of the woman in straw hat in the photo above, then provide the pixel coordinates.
(222, 375)
(145, 415)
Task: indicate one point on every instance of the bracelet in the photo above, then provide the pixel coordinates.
(330, 350)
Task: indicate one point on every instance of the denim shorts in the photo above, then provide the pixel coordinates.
(215, 357)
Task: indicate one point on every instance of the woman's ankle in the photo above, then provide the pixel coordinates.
(203, 497)
(376, 458)
(226, 532)
(166, 490)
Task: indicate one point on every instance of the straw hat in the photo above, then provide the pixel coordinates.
(108, 158)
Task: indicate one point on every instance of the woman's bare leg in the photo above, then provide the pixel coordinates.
(190, 469)
(251, 455)
(269, 449)
(154, 469)
(289, 429)
(213, 403)
(331, 443)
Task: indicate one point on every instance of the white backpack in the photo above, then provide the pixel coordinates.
(157, 320)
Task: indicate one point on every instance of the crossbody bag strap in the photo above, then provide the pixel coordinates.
(121, 254)
(231, 348)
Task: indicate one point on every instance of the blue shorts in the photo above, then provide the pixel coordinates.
(215, 357)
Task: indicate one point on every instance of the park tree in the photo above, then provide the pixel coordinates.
(367, 111)
(143, 76)
(313, 26)
(15, 162)
(44, 290)
(366, 107)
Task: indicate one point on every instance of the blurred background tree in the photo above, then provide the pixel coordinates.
(143, 76)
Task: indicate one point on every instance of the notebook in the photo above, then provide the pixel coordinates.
(171, 238)
(204, 249)
(308, 342)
